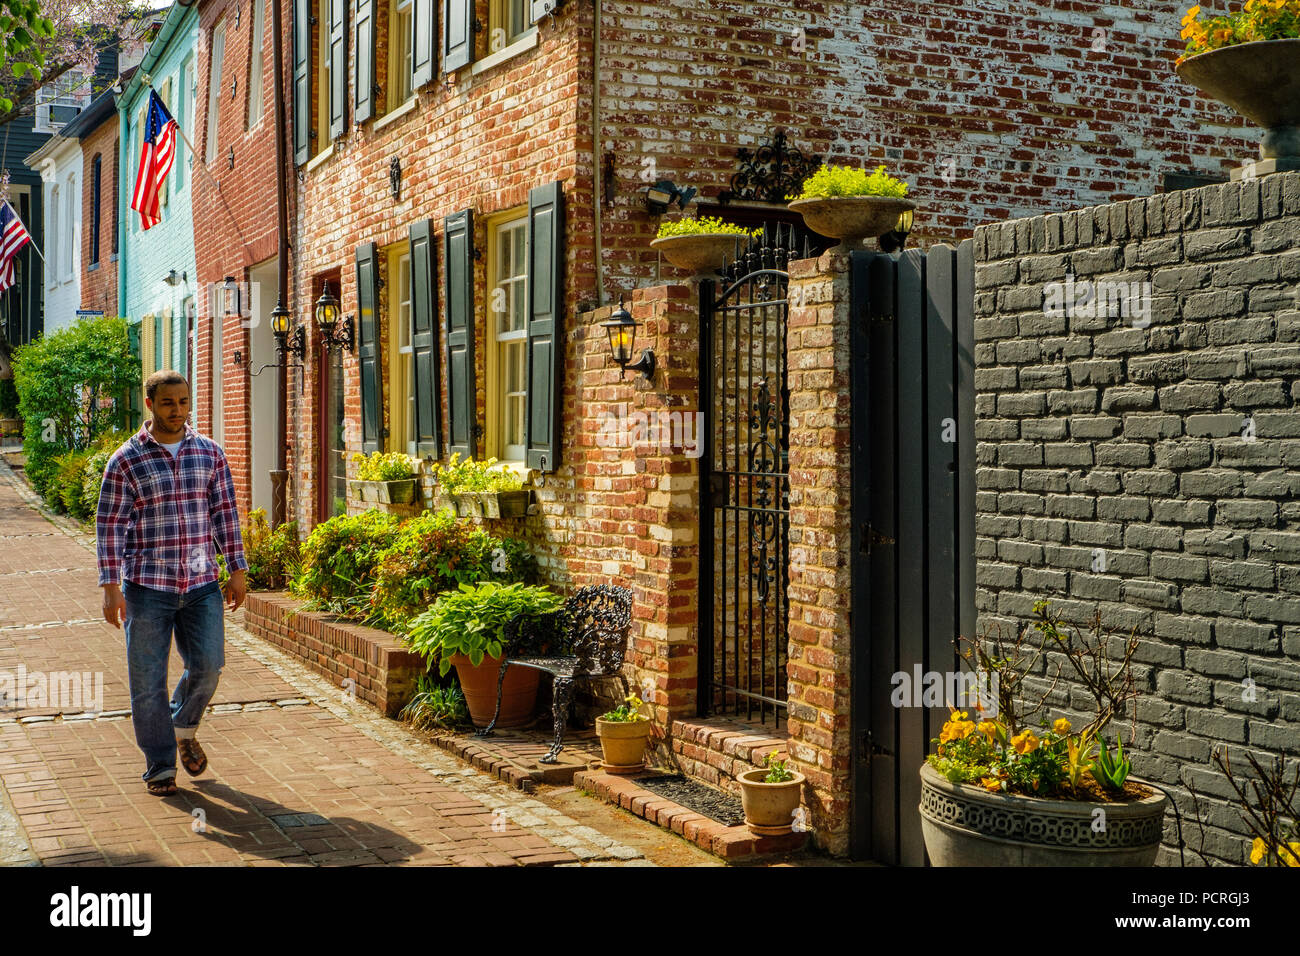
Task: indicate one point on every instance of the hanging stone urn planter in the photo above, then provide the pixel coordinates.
(1261, 81)
(969, 826)
(852, 219)
(700, 254)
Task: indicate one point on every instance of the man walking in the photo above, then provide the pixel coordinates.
(167, 495)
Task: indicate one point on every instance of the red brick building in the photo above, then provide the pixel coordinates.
(476, 199)
(97, 128)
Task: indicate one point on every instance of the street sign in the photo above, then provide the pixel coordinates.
(90, 312)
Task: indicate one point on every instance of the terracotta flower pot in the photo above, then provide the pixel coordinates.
(968, 826)
(623, 743)
(1261, 81)
(852, 219)
(769, 807)
(479, 684)
(702, 253)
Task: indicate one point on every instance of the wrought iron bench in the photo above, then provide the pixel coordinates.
(592, 627)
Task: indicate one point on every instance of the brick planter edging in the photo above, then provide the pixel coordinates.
(718, 751)
(383, 669)
(730, 843)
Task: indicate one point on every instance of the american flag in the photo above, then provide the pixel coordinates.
(156, 158)
(13, 236)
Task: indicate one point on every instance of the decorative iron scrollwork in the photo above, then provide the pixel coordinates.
(763, 458)
(769, 173)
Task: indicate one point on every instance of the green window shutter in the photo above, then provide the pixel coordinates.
(424, 40)
(372, 390)
(545, 313)
(424, 339)
(540, 8)
(364, 81)
(338, 34)
(458, 35)
(301, 81)
(462, 400)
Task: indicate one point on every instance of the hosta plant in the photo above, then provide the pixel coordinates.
(472, 620)
(831, 180)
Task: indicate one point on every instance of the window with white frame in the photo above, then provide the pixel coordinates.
(508, 317)
(53, 268)
(400, 52)
(256, 64)
(507, 22)
(401, 358)
(69, 231)
(58, 102)
(322, 77)
(218, 53)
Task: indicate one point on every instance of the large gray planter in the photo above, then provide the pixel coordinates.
(1261, 81)
(852, 219)
(968, 826)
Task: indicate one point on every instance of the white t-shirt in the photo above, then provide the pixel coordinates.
(174, 447)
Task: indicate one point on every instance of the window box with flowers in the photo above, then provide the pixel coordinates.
(997, 793)
(384, 478)
(479, 488)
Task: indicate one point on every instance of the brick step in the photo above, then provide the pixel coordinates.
(719, 749)
(511, 756)
(731, 843)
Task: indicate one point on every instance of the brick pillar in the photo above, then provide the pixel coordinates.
(817, 350)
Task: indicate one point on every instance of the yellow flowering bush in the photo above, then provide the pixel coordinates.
(832, 180)
(989, 754)
(1257, 20)
(380, 466)
(704, 226)
(459, 476)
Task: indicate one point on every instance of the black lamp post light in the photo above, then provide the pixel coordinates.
(335, 333)
(895, 240)
(621, 329)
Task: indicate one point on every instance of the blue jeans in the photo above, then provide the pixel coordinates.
(151, 617)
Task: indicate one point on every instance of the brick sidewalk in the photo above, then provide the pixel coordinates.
(298, 775)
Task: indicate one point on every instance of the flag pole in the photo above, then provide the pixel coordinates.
(31, 241)
(148, 81)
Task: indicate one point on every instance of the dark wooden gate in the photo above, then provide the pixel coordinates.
(913, 547)
(745, 508)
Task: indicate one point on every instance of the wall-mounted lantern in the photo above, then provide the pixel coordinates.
(664, 193)
(230, 291)
(334, 333)
(621, 329)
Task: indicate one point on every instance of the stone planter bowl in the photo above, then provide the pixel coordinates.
(700, 254)
(852, 219)
(968, 826)
(1259, 80)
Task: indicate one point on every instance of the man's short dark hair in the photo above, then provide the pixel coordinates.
(162, 377)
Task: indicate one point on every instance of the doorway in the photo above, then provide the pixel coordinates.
(263, 423)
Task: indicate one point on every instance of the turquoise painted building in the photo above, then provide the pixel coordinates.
(157, 283)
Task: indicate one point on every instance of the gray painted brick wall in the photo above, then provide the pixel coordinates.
(1165, 439)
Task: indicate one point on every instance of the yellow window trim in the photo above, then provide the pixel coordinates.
(398, 400)
(492, 444)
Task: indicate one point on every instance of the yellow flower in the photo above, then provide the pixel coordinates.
(1293, 857)
(1257, 850)
(991, 784)
(1062, 726)
(1025, 742)
(989, 729)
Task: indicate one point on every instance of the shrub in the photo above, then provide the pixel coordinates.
(457, 476)
(472, 620)
(273, 555)
(707, 226)
(60, 380)
(64, 490)
(93, 475)
(832, 180)
(430, 553)
(339, 558)
(393, 466)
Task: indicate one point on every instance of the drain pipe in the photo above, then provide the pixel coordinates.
(597, 158)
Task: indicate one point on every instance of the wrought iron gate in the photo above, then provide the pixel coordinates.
(744, 514)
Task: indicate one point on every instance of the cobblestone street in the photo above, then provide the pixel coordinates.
(300, 772)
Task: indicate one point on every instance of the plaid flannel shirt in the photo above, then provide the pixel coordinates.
(160, 516)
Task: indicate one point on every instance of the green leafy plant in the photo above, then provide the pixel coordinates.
(273, 554)
(777, 771)
(1256, 20)
(1111, 772)
(832, 180)
(93, 475)
(704, 226)
(459, 475)
(435, 706)
(430, 553)
(383, 466)
(61, 379)
(339, 559)
(64, 494)
(629, 711)
(472, 620)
